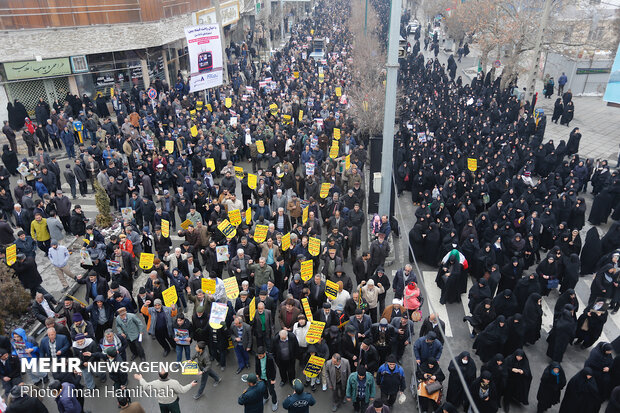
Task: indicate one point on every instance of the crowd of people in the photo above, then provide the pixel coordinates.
(174, 166)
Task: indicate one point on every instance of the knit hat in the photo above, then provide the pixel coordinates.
(77, 317)
(157, 301)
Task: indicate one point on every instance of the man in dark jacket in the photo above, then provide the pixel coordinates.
(285, 348)
(63, 209)
(78, 221)
(71, 180)
(80, 175)
(391, 380)
(265, 367)
(369, 357)
(95, 285)
(252, 398)
(28, 274)
(379, 251)
(23, 403)
(10, 370)
(299, 402)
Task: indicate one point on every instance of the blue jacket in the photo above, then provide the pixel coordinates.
(26, 343)
(67, 138)
(391, 382)
(62, 345)
(299, 403)
(424, 351)
(41, 188)
(562, 80)
(66, 402)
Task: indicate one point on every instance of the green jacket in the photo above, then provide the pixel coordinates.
(352, 386)
(261, 274)
(131, 327)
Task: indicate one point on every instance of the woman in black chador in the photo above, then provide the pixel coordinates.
(552, 382)
(518, 381)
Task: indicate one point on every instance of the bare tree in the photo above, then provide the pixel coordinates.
(509, 28)
(367, 67)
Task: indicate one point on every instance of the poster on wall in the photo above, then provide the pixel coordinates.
(204, 46)
(612, 92)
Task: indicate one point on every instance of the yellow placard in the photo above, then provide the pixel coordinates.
(227, 229)
(248, 216)
(338, 91)
(232, 288)
(304, 215)
(192, 113)
(165, 228)
(210, 163)
(252, 309)
(314, 366)
(260, 146)
(472, 164)
(252, 180)
(260, 233)
(324, 189)
(306, 306)
(315, 332)
(286, 241)
(146, 260)
(199, 104)
(239, 172)
(235, 217)
(334, 149)
(170, 296)
(111, 92)
(11, 254)
(194, 130)
(207, 285)
(307, 270)
(301, 115)
(273, 108)
(286, 119)
(228, 102)
(296, 75)
(190, 368)
(331, 289)
(170, 146)
(347, 162)
(185, 224)
(337, 133)
(311, 31)
(209, 108)
(314, 246)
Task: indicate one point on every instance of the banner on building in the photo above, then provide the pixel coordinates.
(204, 47)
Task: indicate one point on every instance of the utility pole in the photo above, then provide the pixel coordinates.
(537, 48)
(281, 20)
(366, 18)
(218, 17)
(391, 85)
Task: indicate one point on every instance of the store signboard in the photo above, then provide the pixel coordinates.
(36, 69)
(229, 11)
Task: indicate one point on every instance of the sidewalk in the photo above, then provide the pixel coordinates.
(599, 124)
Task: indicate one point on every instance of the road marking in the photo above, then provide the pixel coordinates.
(465, 303)
(547, 316)
(434, 294)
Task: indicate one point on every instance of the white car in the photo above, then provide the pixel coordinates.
(413, 26)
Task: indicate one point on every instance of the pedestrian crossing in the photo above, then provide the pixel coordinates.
(454, 318)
